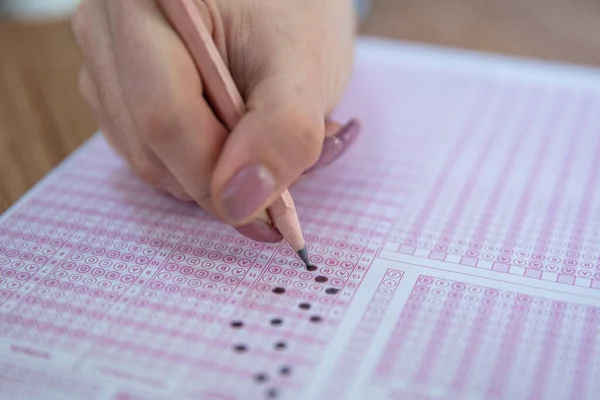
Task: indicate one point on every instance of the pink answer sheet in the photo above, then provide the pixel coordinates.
(457, 246)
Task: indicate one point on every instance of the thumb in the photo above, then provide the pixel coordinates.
(279, 138)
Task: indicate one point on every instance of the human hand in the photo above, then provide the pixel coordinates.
(291, 62)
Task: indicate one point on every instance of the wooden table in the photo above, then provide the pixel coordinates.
(43, 118)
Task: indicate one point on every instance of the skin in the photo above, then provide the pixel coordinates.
(290, 59)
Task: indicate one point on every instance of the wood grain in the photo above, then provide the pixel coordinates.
(43, 118)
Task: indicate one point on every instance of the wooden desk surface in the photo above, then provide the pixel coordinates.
(43, 118)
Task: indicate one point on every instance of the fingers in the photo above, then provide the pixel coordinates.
(268, 151)
(146, 93)
(289, 86)
(146, 165)
(338, 139)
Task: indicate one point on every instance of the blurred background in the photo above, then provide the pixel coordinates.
(43, 118)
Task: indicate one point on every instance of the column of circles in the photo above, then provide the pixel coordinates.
(28, 249)
(415, 325)
(447, 342)
(265, 314)
(355, 351)
(429, 337)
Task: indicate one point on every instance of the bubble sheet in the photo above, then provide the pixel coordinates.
(456, 246)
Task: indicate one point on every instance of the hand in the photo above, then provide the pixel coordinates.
(291, 61)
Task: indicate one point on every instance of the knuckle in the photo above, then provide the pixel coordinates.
(305, 132)
(153, 120)
(146, 171)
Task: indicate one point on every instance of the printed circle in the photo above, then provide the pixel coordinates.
(201, 274)
(233, 281)
(216, 277)
(174, 289)
(275, 269)
(284, 281)
(223, 268)
(536, 265)
(208, 264)
(316, 259)
(290, 273)
(342, 273)
(51, 282)
(426, 280)
(286, 252)
(300, 284)
(280, 261)
(336, 253)
(180, 279)
(305, 276)
(341, 245)
(320, 250)
(194, 283)
(88, 280)
(229, 259)
(113, 254)
(250, 254)
(475, 289)
(351, 257)
(331, 262)
(104, 284)
(220, 247)
(389, 283)
(199, 252)
(326, 242)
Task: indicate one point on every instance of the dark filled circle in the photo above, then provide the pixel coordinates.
(278, 290)
(237, 324)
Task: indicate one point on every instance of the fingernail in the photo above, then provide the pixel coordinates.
(335, 146)
(247, 191)
(260, 232)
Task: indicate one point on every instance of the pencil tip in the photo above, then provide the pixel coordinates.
(303, 254)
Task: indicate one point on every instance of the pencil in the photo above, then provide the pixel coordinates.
(227, 103)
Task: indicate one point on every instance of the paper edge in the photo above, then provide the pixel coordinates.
(412, 51)
(477, 60)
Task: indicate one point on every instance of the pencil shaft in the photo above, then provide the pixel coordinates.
(225, 98)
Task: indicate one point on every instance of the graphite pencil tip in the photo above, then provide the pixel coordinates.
(303, 254)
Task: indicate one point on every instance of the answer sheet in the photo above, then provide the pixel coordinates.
(457, 246)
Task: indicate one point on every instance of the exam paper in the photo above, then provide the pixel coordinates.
(457, 246)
